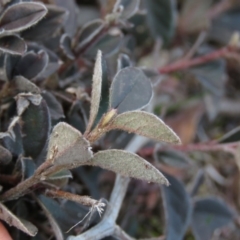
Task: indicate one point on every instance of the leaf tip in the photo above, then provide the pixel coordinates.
(164, 181)
(99, 55)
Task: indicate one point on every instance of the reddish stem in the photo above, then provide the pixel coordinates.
(184, 64)
(209, 147)
(205, 147)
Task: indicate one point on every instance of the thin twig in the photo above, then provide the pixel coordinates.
(196, 45)
(107, 226)
(219, 8)
(184, 64)
(20, 189)
(120, 234)
(84, 200)
(204, 147)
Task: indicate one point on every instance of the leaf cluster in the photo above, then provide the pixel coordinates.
(76, 103)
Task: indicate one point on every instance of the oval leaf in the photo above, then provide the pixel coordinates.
(209, 214)
(7, 66)
(5, 156)
(224, 26)
(63, 174)
(96, 90)
(55, 227)
(21, 16)
(60, 213)
(54, 106)
(48, 26)
(123, 61)
(18, 85)
(13, 220)
(178, 209)
(161, 16)
(28, 167)
(104, 98)
(172, 158)
(108, 44)
(32, 64)
(71, 25)
(35, 121)
(65, 45)
(13, 45)
(129, 165)
(21, 85)
(130, 90)
(53, 62)
(72, 147)
(129, 7)
(89, 31)
(12, 139)
(145, 124)
(194, 23)
(212, 76)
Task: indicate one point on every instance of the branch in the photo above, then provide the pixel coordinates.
(20, 189)
(208, 147)
(204, 147)
(184, 64)
(219, 8)
(120, 234)
(83, 200)
(107, 226)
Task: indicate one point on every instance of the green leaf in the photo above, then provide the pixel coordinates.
(211, 75)
(225, 25)
(129, 7)
(13, 45)
(68, 147)
(36, 123)
(18, 85)
(89, 31)
(5, 156)
(55, 227)
(7, 66)
(161, 16)
(191, 19)
(54, 106)
(173, 158)
(48, 26)
(13, 220)
(130, 90)
(104, 99)
(123, 61)
(21, 16)
(60, 175)
(108, 44)
(65, 45)
(96, 90)
(32, 64)
(129, 165)
(178, 209)
(145, 124)
(209, 214)
(28, 167)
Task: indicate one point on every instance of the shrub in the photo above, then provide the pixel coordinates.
(75, 101)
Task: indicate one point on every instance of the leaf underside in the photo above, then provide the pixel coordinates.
(145, 124)
(128, 164)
